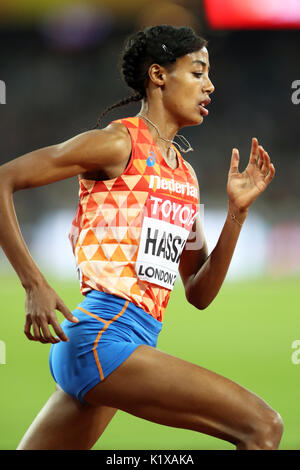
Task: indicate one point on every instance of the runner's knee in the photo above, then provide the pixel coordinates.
(266, 433)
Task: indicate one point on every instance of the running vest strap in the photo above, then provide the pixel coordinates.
(128, 232)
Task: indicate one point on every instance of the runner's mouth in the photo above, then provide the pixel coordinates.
(202, 104)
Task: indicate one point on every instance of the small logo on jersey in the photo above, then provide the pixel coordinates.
(151, 159)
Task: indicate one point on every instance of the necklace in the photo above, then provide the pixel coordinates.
(183, 139)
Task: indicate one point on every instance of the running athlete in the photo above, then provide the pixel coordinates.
(137, 222)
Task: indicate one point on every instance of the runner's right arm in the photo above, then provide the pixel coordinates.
(106, 150)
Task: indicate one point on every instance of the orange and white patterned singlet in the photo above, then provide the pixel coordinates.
(128, 232)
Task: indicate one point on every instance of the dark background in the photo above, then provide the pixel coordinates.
(55, 92)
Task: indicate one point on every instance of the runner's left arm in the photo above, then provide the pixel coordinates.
(203, 275)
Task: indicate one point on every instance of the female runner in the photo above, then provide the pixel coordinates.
(137, 221)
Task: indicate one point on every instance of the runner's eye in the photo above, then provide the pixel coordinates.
(198, 74)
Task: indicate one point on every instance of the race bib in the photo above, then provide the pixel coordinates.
(166, 225)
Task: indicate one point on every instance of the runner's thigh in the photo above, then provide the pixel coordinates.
(66, 424)
(159, 387)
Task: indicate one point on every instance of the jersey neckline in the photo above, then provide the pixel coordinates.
(178, 155)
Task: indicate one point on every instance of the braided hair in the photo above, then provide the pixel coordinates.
(161, 44)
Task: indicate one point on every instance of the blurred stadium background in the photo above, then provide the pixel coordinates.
(59, 62)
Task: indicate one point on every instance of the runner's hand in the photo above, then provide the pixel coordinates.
(40, 305)
(243, 188)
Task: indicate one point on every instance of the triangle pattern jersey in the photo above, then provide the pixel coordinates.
(128, 232)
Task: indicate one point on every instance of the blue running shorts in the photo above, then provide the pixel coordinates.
(109, 330)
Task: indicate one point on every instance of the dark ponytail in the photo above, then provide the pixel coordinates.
(161, 44)
(123, 102)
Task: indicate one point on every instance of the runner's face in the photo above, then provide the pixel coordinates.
(187, 85)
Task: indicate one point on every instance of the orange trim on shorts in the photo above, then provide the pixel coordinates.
(91, 314)
(107, 323)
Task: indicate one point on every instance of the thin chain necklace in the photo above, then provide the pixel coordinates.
(183, 139)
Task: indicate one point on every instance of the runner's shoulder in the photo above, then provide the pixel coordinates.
(192, 171)
(114, 139)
